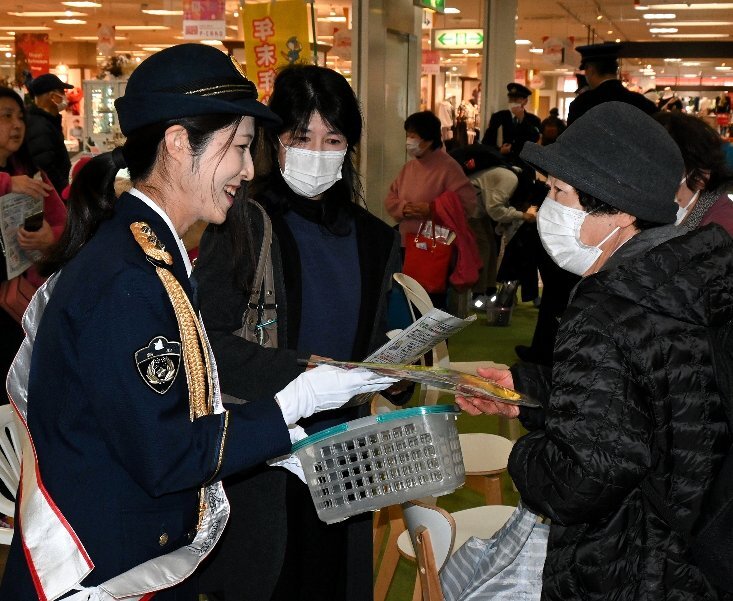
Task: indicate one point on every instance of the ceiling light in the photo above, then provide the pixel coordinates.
(451, 10)
(641, 7)
(523, 42)
(691, 64)
(699, 36)
(690, 75)
(70, 21)
(672, 60)
(663, 30)
(723, 68)
(140, 27)
(333, 17)
(24, 28)
(703, 23)
(58, 13)
(161, 12)
(536, 50)
(610, 31)
(655, 16)
(618, 40)
(700, 6)
(83, 4)
(95, 38)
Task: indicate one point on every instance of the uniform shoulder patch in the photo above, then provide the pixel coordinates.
(158, 363)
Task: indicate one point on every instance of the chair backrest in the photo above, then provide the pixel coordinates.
(419, 299)
(10, 453)
(433, 533)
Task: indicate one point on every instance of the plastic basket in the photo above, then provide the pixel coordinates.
(381, 460)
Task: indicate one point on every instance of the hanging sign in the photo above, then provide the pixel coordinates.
(452, 39)
(105, 39)
(204, 20)
(275, 34)
(32, 51)
(437, 5)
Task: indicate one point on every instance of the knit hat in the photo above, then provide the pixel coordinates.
(188, 80)
(618, 154)
(47, 82)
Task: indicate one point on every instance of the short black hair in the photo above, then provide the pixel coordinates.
(602, 66)
(591, 204)
(426, 125)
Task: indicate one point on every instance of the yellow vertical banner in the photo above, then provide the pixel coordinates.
(275, 34)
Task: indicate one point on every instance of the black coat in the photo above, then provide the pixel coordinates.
(248, 561)
(527, 130)
(607, 91)
(633, 398)
(45, 140)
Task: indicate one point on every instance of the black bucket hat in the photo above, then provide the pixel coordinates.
(188, 80)
(620, 155)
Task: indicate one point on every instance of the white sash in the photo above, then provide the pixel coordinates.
(56, 558)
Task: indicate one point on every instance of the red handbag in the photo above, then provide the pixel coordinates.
(15, 295)
(427, 260)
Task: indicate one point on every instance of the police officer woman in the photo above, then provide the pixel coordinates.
(126, 439)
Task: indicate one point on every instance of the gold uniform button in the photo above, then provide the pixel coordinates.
(163, 539)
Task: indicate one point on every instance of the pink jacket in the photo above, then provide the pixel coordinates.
(449, 212)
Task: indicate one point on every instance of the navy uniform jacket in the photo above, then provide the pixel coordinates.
(611, 89)
(527, 130)
(122, 461)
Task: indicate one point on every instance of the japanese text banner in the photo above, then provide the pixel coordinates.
(275, 34)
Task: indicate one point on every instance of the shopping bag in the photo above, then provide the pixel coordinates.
(506, 567)
(15, 295)
(427, 259)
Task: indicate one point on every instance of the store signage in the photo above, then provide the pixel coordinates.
(430, 62)
(436, 5)
(275, 34)
(32, 51)
(451, 39)
(204, 20)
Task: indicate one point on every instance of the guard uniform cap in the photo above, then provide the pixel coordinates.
(598, 52)
(517, 90)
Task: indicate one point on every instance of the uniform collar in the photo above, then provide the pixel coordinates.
(164, 216)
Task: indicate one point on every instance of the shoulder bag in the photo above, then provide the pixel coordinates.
(427, 260)
(259, 322)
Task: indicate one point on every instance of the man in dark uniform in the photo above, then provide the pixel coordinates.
(517, 126)
(600, 63)
(44, 136)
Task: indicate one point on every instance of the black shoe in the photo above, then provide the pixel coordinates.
(525, 353)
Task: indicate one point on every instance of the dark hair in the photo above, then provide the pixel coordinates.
(299, 91)
(92, 194)
(21, 158)
(603, 66)
(701, 148)
(426, 125)
(591, 204)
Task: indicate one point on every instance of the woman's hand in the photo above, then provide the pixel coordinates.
(476, 406)
(40, 240)
(27, 185)
(416, 210)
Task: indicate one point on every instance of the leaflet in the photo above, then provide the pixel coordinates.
(14, 208)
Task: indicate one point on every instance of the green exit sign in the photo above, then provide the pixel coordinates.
(452, 39)
(436, 5)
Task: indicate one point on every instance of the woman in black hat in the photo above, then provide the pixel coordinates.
(125, 436)
(633, 428)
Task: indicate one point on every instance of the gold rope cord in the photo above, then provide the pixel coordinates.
(196, 360)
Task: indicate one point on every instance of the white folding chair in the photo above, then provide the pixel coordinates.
(10, 453)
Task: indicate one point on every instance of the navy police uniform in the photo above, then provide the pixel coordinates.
(514, 132)
(109, 412)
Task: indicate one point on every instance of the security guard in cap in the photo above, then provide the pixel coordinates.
(510, 128)
(125, 436)
(600, 62)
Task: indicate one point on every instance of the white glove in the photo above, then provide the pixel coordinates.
(326, 387)
(290, 463)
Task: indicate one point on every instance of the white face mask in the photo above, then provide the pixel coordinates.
(311, 172)
(413, 147)
(559, 229)
(62, 105)
(682, 211)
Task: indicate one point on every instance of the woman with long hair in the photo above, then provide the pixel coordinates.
(115, 383)
(332, 264)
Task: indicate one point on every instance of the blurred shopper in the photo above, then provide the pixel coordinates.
(126, 438)
(17, 173)
(511, 128)
(600, 63)
(45, 135)
(551, 127)
(704, 195)
(633, 426)
(332, 264)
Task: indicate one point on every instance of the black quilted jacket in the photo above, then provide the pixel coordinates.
(633, 397)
